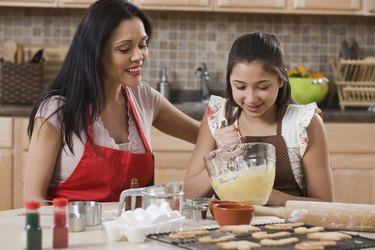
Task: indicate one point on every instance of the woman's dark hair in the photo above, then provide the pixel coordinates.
(80, 79)
(265, 49)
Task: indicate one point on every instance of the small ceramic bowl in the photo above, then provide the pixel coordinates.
(211, 204)
(233, 214)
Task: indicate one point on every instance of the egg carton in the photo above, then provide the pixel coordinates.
(137, 233)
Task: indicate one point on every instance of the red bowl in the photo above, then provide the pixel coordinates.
(233, 214)
(211, 204)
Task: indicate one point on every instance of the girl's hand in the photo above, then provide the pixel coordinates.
(227, 136)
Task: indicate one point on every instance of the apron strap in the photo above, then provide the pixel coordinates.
(126, 93)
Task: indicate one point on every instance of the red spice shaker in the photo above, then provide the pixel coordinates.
(60, 223)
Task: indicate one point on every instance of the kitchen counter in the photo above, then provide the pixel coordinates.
(196, 110)
(95, 237)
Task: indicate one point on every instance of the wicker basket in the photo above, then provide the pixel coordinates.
(355, 81)
(20, 83)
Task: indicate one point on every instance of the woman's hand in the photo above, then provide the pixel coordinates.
(227, 136)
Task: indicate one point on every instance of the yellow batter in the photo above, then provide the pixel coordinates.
(252, 185)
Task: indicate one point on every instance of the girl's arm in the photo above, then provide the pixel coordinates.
(173, 122)
(196, 181)
(316, 168)
(44, 148)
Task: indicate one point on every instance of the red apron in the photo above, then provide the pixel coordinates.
(103, 176)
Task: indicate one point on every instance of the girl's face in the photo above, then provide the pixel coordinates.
(254, 89)
(125, 53)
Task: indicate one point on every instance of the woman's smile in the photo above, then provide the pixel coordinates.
(134, 71)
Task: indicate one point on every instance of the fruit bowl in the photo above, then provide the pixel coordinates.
(307, 90)
(243, 172)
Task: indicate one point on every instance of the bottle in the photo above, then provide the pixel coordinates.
(134, 201)
(163, 85)
(60, 223)
(33, 231)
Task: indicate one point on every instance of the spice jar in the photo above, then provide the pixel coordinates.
(134, 201)
(33, 231)
(60, 223)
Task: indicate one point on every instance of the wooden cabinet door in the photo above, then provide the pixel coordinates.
(328, 5)
(364, 190)
(352, 155)
(75, 3)
(370, 8)
(21, 145)
(29, 3)
(6, 163)
(170, 166)
(197, 5)
(6, 180)
(172, 156)
(6, 128)
(250, 5)
(349, 7)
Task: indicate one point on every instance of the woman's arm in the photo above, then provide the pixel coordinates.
(44, 147)
(316, 168)
(196, 181)
(172, 121)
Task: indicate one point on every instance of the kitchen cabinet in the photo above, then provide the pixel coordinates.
(352, 153)
(291, 6)
(48, 3)
(318, 7)
(370, 7)
(264, 6)
(333, 6)
(172, 156)
(13, 149)
(75, 3)
(6, 162)
(29, 3)
(197, 5)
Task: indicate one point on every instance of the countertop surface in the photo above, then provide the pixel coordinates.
(12, 224)
(196, 110)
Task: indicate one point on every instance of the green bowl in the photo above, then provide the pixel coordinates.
(304, 91)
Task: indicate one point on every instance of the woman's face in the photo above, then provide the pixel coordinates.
(125, 53)
(254, 89)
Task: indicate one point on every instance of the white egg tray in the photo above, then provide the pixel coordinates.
(137, 234)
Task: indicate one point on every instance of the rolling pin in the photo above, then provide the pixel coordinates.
(330, 215)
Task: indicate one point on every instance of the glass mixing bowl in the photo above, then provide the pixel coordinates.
(242, 172)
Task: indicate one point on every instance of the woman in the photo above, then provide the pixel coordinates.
(90, 131)
(257, 110)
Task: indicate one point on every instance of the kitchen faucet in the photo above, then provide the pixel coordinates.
(202, 72)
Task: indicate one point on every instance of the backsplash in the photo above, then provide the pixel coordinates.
(182, 40)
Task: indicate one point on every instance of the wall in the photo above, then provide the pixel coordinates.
(184, 39)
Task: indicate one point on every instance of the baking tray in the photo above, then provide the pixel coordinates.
(356, 242)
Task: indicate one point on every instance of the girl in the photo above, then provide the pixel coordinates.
(257, 110)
